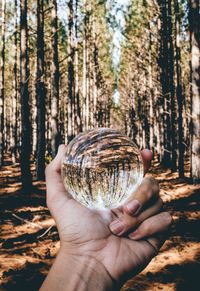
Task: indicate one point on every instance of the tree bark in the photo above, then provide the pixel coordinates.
(71, 80)
(55, 136)
(24, 93)
(151, 96)
(167, 81)
(2, 82)
(15, 96)
(194, 21)
(76, 71)
(40, 93)
(172, 134)
(179, 91)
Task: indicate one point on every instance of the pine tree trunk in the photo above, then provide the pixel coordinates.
(95, 75)
(179, 91)
(77, 92)
(151, 97)
(194, 20)
(55, 136)
(34, 113)
(165, 84)
(172, 108)
(167, 81)
(2, 82)
(85, 73)
(24, 93)
(40, 93)
(71, 81)
(15, 96)
(87, 103)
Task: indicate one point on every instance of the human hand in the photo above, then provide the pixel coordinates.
(119, 242)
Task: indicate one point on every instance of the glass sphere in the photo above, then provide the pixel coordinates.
(102, 168)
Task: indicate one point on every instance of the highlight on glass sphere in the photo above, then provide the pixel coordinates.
(101, 168)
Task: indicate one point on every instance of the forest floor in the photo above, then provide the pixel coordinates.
(27, 252)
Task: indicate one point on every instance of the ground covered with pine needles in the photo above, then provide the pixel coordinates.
(29, 240)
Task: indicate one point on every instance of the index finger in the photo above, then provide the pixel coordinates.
(144, 193)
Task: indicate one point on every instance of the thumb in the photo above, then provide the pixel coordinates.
(54, 183)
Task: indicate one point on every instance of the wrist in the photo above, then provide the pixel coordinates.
(77, 272)
(89, 273)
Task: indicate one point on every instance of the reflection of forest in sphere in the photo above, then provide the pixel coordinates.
(101, 168)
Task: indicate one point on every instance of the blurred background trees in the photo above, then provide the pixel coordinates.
(71, 65)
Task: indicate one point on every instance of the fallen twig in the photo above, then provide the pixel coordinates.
(27, 221)
(46, 231)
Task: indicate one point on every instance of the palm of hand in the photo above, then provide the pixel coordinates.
(87, 233)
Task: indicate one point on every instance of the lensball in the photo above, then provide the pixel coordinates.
(101, 168)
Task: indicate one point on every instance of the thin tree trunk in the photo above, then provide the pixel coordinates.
(173, 146)
(55, 136)
(179, 91)
(167, 81)
(2, 82)
(85, 74)
(77, 92)
(24, 93)
(95, 75)
(194, 20)
(40, 93)
(34, 113)
(87, 113)
(151, 105)
(71, 83)
(15, 96)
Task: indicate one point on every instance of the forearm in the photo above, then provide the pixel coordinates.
(70, 272)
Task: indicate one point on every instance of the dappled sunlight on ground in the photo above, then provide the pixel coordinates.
(29, 240)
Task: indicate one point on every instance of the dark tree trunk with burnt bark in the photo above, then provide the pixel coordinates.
(40, 92)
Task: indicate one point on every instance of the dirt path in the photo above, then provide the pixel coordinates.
(26, 252)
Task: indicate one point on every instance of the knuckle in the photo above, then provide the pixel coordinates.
(155, 187)
(153, 183)
(130, 223)
(146, 188)
(146, 229)
(149, 194)
(160, 202)
(167, 218)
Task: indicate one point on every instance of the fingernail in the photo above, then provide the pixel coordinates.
(134, 234)
(133, 207)
(116, 227)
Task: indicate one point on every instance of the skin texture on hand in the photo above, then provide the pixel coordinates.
(120, 242)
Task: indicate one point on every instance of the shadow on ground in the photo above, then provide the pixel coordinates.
(185, 276)
(29, 278)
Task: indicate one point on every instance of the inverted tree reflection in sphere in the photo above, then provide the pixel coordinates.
(101, 168)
